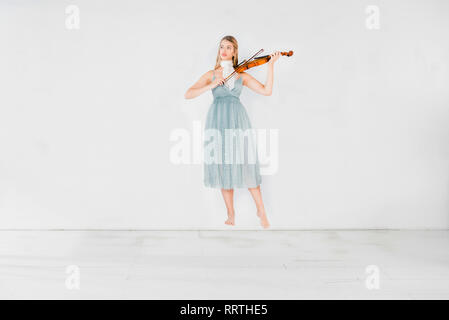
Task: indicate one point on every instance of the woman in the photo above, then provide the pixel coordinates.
(226, 117)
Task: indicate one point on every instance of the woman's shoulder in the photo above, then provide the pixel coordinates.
(244, 76)
(210, 73)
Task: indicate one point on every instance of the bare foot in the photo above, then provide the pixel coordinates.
(263, 219)
(230, 220)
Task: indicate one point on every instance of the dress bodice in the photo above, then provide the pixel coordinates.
(224, 91)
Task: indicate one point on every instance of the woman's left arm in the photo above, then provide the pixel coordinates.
(258, 87)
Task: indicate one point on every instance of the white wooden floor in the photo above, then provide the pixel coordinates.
(224, 264)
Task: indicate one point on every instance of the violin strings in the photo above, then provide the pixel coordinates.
(244, 61)
(254, 58)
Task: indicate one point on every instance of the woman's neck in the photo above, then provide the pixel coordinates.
(226, 62)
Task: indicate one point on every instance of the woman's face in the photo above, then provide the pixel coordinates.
(226, 50)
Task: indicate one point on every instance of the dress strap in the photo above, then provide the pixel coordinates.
(213, 75)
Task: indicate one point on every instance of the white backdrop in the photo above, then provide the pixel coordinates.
(86, 114)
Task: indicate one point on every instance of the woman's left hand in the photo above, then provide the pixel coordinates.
(274, 57)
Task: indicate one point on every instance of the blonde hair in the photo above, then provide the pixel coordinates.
(235, 57)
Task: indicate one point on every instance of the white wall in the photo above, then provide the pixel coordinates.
(86, 115)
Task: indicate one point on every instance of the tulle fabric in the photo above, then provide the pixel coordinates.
(230, 144)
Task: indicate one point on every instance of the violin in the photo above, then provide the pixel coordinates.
(254, 62)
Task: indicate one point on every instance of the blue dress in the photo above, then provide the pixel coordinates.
(230, 143)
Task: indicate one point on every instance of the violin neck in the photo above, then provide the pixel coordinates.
(262, 57)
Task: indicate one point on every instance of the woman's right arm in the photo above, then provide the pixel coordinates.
(202, 85)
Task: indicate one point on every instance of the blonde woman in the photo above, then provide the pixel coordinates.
(226, 118)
